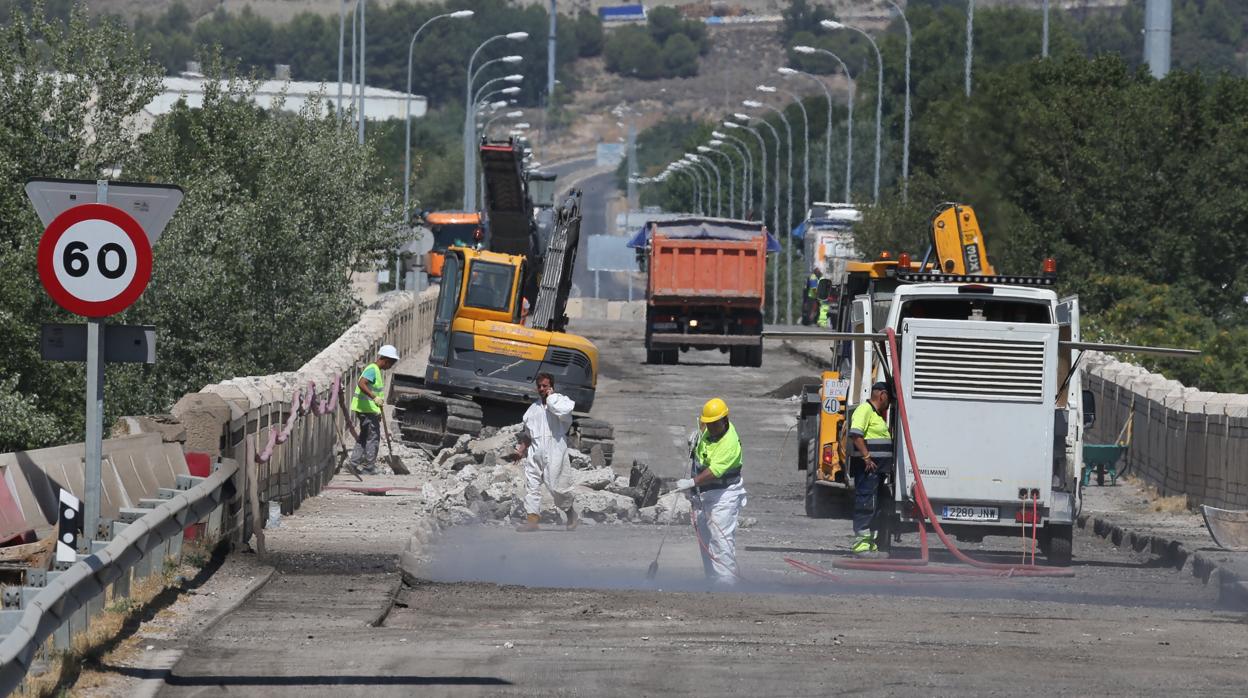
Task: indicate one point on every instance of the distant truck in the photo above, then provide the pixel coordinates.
(705, 282)
(449, 229)
(828, 238)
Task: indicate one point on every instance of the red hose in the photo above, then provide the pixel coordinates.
(979, 568)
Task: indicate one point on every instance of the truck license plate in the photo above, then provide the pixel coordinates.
(972, 513)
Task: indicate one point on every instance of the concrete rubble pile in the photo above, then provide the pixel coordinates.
(480, 480)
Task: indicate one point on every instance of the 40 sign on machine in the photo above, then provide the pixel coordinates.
(95, 260)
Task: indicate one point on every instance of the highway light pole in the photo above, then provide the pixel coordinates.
(407, 126)
(827, 136)
(747, 168)
(507, 115)
(970, 42)
(711, 147)
(719, 192)
(775, 182)
(362, 4)
(879, 98)
(788, 219)
(805, 144)
(1044, 35)
(693, 167)
(697, 184)
(849, 128)
(762, 168)
(905, 129)
(470, 189)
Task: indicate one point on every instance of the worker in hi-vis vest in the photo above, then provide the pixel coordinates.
(871, 465)
(716, 491)
(370, 395)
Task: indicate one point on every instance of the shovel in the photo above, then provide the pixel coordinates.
(395, 463)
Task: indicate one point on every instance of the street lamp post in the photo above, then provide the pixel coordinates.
(905, 129)
(788, 218)
(362, 4)
(970, 42)
(407, 126)
(507, 115)
(879, 98)
(805, 144)
(342, 38)
(747, 168)
(712, 147)
(827, 136)
(719, 193)
(470, 189)
(775, 181)
(693, 167)
(483, 96)
(1044, 36)
(762, 168)
(849, 128)
(697, 185)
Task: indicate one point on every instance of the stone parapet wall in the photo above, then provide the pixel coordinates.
(1183, 441)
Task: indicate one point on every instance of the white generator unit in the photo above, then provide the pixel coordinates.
(980, 400)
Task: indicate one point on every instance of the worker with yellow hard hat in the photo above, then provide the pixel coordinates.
(717, 491)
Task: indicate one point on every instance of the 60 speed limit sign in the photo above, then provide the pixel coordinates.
(94, 260)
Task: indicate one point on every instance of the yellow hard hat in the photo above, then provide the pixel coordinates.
(714, 410)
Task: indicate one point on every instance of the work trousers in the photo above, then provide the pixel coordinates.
(716, 519)
(366, 445)
(871, 493)
(546, 466)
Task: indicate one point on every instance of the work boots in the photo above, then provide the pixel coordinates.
(574, 519)
(529, 525)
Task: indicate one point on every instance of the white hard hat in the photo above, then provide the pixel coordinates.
(388, 351)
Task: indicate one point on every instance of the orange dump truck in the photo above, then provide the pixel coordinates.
(705, 287)
(450, 228)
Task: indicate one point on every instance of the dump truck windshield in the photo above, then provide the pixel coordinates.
(453, 235)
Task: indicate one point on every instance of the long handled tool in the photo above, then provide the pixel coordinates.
(395, 463)
(653, 569)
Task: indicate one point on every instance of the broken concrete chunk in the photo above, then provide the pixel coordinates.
(596, 479)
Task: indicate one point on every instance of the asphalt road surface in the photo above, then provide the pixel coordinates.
(557, 613)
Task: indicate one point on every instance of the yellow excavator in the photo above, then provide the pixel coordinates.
(500, 320)
(956, 248)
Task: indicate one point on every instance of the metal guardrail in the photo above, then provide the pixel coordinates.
(77, 586)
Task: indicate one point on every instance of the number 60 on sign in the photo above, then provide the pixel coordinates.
(94, 260)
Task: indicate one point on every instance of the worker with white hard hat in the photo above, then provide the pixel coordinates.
(370, 395)
(717, 491)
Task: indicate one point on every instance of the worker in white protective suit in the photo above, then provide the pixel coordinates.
(543, 449)
(717, 491)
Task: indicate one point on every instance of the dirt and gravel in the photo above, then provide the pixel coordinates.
(493, 612)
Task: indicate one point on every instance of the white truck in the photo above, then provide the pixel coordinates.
(995, 403)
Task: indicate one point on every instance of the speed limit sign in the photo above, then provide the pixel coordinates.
(94, 260)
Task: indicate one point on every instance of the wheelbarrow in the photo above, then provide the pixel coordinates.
(1102, 459)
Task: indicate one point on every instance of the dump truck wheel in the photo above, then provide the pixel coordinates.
(754, 357)
(654, 356)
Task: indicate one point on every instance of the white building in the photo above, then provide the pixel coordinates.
(379, 104)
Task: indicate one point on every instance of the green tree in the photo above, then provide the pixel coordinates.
(589, 35)
(52, 125)
(680, 56)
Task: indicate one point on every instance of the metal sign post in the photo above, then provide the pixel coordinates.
(95, 260)
(94, 444)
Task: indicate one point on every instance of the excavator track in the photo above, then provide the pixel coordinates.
(438, 420)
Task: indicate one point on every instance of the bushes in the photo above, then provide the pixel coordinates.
(667, 47)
